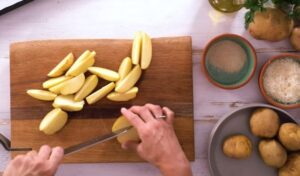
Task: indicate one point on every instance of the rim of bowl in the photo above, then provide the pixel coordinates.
(209, 44)
(262, 88)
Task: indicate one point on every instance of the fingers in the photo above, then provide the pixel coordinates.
(155, 110)
(32, 154)
(143, 112)
(170, 115)
(45, 152)
(130, 145)
(134, 119)
(56, 155)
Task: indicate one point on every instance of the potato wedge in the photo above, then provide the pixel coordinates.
(129, 95)
(56, 89)
(82, 66)
(136, 48)
(54, 121)
(104, 73)
(96, 96)
(125, 67)
(67, 103)
(88, 86)
(55, 81)
(131, 135)
(146, 55)
(62, 66)
(130, 80)
(73, 85)
(41, 94)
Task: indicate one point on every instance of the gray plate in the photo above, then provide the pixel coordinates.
(237, 122)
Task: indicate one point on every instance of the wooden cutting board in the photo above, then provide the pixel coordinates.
(168, 82)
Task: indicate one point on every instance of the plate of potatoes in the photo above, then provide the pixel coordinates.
(256, 139)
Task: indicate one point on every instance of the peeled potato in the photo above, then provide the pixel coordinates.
(136, 48)
(125, 68)
(130, 80)
(96, 96)
(64, 65)
(41, 94)
(130, 135)
(88, 86)
(55, 81)
(104, 73)
(67, 103)
(73, 85)
(129, 95)
(146, 56)
(53, 121)
(82, 66)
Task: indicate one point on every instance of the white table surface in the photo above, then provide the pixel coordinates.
(57, 19)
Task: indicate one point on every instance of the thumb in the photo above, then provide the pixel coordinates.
(130, 145)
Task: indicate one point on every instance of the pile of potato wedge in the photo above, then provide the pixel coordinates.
(69, 88)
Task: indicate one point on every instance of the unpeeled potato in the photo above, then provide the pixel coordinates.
(271, 24)
(292, 166)
(295, 38)
(289, 136)
(130, 135)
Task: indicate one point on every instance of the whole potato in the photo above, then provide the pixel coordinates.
(264, 122)
(292, 166)
(272, 153)
(289, 136)
(295, 38)
(271, 24)
(237, 146)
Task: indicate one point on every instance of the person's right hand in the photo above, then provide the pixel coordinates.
(43, 163)
(159, 144)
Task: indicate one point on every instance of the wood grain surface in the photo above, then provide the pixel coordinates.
(167, 82)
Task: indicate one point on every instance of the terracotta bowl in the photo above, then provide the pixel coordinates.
(261, 86)
(230, 81)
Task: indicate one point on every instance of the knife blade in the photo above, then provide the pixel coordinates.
(96, 140)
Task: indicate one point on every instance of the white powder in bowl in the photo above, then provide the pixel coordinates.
(282, 80)
(227, 56)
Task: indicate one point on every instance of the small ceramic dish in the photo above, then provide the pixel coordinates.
(230, 80)
(237, 122)
(263, 90)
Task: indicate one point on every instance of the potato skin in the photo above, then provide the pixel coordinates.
(264, 122)
(272, 153)
(271, 25)
(292, 166)
(289, 136)
(295, 38)
(237, 146)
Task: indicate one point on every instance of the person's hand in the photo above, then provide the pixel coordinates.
(159, 144)
(42, 163)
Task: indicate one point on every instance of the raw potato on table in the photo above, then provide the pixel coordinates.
(272, 153)
(63, 65)
(292, 166)
(271, 24)
(264, 122)
(237, 146)
(289, 136)
(295, 38)
(41, 94)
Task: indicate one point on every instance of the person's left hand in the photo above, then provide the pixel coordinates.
(42, 163)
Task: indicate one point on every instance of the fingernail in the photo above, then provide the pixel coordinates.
(123, 109)
(124, 146)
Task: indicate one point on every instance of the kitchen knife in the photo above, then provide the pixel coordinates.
(96, 140)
